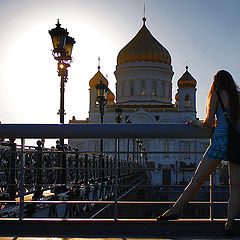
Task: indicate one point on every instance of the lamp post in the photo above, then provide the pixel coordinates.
(62, 51)
(102, 91)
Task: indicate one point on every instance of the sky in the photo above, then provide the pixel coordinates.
(206, 33)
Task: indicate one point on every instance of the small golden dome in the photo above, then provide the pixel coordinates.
(96, 79)
(187, 80)
(144, 47)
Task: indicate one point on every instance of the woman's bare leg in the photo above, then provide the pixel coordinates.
(205, 168)
(234, 199)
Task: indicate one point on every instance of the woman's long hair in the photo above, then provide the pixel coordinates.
(223, 80)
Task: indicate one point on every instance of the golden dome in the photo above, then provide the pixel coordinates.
(187, 80)
(144, 47)
(96, 79)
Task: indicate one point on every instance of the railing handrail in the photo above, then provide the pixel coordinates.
(172, 130)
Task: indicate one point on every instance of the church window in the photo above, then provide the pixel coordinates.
(143, 90)
(132, 88)
(187, 101)
(154, 88)
(97, 146)
(166, 146)
(163, 92)
(187, 149)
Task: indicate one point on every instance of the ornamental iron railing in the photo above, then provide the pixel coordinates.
(68, 183)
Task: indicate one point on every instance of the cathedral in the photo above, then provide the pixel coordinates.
(144, 94)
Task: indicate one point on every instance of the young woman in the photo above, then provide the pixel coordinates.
(217, 151)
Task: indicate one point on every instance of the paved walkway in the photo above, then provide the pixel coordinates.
(165, 238)
(109, 230)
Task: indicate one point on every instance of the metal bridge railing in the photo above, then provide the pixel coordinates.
(75, 184)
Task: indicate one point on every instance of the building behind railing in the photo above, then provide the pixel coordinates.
(163, 156)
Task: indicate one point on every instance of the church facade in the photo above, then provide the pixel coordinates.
(144, 93)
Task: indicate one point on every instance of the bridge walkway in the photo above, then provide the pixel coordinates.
(110, 229)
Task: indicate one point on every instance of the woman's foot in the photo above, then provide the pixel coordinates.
(168, 215)
(228, 230)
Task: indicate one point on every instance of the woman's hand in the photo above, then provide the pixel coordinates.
(197, 123)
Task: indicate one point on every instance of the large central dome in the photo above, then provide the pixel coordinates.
(144, 47)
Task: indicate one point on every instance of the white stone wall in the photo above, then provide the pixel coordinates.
(163, 159)
(156, 78)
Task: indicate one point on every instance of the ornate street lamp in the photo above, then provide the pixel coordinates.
(102, 91)
(62, 51)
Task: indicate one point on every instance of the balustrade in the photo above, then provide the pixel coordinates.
(65, 184)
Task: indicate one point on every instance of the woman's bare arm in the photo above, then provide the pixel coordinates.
(210, 118)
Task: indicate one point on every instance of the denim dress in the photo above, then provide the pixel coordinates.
(217, 149)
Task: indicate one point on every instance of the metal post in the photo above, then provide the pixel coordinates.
(38, 190)
(12, 165)
(101, 106)
(116, 180)
(86, 169)
(22, 187)
(102, 166)
(94, 168)
(62, 111)
(176, 166)
(77, 168)
(128, 150)
(137, 150)
(211, 197)
(101, 114)
(61, 172)
(133, 140)
(64, 169)
(62, 156)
